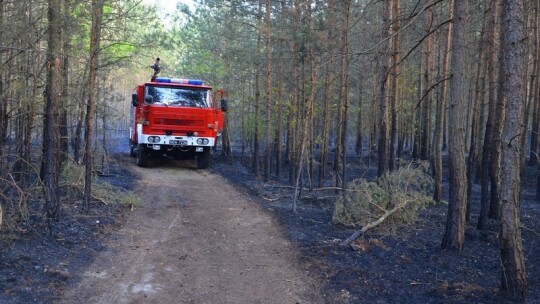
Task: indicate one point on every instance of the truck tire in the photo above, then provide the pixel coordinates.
(203, 159)
(142, 156)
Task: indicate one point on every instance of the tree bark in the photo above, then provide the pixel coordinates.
(258, 73)
(226, 139)
(3, 100)
(454, 235)
(396, 57)
(95, 38)
(359, 139)
(533, 154)
(486, 149)
(66, 48)
(495, 142)
(382, 147)
(308, 114)
(478, 118)
(268, 90)
(441, 113)
(328, 87)
(280, 95)
(513, 279)
(425, 145)
(344, 93)
(50, 160)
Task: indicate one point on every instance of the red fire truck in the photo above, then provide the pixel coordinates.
(179, 118)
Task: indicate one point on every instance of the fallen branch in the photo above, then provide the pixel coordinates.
(318, 189)
(326, 197)
(372, 225)
(276, 198)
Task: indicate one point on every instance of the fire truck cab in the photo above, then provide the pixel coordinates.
(178, 118)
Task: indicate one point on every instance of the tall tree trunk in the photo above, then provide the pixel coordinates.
(50, 160)
(396, 57)
(383, 100)
(536, 127)
(27, 144)
(66, 49)
(528, 63)
(487, 153)
(291, 126)
(473, 167)
(3, 100)
(310, 105)
(95, 38)
(328, 87)
(77, 139)
(226, 139)
(104, 138)
(417, 136)
(258, 74)
(496, 149)
(514, 279)
(268, 90)
(243, 130)
(339, 147)
(441, 113)
(404, 129)
(425, 151)
(26, 108)
(359, 139)
(280, 96)
(454, 235)
(344, 89)
(533, 154)
(327, 114)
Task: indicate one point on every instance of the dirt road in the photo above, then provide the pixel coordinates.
(195, 239)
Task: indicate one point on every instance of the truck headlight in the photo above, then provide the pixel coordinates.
(202, 141)
(153, 139)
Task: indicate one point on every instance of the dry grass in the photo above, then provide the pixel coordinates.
(15, 195)
(73, 179)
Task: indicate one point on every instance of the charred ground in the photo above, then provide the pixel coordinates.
(35, 266)
(406, 267)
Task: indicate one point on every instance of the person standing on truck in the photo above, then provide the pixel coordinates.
(156, 69)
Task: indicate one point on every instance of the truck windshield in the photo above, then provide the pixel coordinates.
(175, 96)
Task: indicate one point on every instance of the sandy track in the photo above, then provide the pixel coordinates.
(195, 239)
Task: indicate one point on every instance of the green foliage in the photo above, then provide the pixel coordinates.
(120, 50)
(409, 188)
(107, 10)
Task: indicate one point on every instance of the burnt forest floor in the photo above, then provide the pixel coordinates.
(37, 266)
(405, 267)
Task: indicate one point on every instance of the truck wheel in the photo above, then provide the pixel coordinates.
(203, 159)
(142, 156)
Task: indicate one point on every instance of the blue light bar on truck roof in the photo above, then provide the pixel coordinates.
(178, 80)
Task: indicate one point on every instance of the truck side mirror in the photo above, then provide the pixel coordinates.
(224, 106)
(134, 100)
